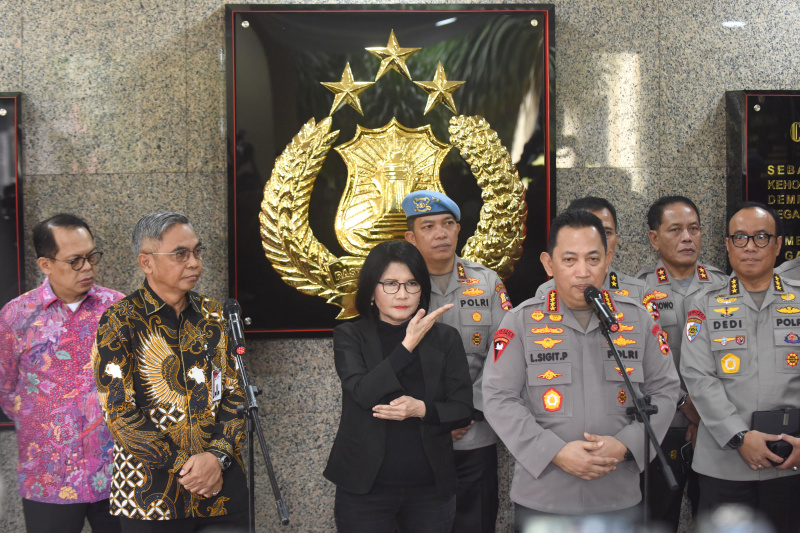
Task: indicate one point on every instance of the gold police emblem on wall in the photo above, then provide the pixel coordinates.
(384, 165)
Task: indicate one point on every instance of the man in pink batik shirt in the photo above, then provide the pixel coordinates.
(47, 385)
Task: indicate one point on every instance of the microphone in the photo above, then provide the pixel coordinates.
(232, 312)
(595, 299)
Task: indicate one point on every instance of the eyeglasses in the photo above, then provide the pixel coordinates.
(391, 287)
(761, 239)
(182, 255)
(78, 262)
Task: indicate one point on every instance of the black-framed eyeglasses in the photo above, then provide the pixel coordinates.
(760, 239)
(182, 255)
(78, 262)
(391, 287)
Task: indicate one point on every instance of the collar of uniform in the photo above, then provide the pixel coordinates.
(48, 296)
(567, 318)
(734, 288)
(153, 302)
(454, 283)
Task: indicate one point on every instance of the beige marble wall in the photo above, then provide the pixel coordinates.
(124, 113)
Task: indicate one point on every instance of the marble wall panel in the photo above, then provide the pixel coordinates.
(11, 46)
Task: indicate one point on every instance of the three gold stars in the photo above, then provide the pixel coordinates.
(393, 57)
(347, 90)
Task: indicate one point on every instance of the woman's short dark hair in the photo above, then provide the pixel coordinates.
(375, 265)
(44, 243)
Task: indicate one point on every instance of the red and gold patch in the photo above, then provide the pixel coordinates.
(609, 302)
(619, 316)
(505, 301)
(549, 375)
(791, 359)
(662, 342)
(556, 318)
(621, 397)
(658, 295)
(472, 291)
(623, 327)
(462, 273)
(537, 316)
(623, 292)
(476, 339)
(547, 329)
(470, 281)
(552, 400)
(500, 287)
(476, 316)
(501, 339)
(552, 302)
(628, 370)
(702, 275)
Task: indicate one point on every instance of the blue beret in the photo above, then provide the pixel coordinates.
(420, 203)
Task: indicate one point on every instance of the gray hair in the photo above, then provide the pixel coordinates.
(154, 226)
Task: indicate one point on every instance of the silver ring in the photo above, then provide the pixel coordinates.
(760, 466)
(215, 493)
(794, 468)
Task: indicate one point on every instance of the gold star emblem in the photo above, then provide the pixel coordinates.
(439, 90)
(347, 91)
(393, 57)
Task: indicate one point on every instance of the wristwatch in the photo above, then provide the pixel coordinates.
(224, 460)
(737, 440)
(682, 401)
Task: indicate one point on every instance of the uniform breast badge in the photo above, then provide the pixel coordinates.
(383, 165)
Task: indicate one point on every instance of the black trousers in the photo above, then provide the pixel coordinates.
(476, 490)
(777, 499)
(663, 504)
(230, 523)
(68, 518)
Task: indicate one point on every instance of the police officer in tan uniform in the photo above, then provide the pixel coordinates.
(740, 355)
(676, 236)
(617, 282)
(480, 301)
(789, 269)
(555, 395)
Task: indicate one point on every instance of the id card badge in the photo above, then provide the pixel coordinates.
(216, 385)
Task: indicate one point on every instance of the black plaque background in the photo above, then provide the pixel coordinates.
(12, 269)
(275, 65)
(758, 140)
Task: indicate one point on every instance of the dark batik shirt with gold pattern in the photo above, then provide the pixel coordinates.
(154, 377)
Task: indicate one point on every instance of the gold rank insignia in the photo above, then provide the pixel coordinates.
(469, 281)
(628, 370)
(624, 327)
(723, 300)
(788, 310)
(476, 316)
(537, 315)
(723, 341)
(778, 283)
(661, 274)
(556, 318)
(623, 292)
(462, 274)
(658, 295)
(622, 341)
(619, 316)
(791, 359)
(702, 274)
(552, 302)
(730, 364)
(733, 285)
(613, 281)
(472, 291)
(726, 311)
(548, 343)
(552, 400)
(609, 302)
(787, 297)
(549, 375)
(476, 339)
(621, 397)
(547, 329)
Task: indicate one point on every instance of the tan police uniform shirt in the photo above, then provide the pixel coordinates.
(480, 301)
(667, 302)
(736, 359)
(547, 381)
(616, 282)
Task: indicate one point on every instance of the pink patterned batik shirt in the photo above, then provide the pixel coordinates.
(47, 388)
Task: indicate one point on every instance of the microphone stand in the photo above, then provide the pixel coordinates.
(250, 411)
(642, 410)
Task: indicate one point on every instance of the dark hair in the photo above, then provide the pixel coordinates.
(574, 218)
(656, 211)
(748, 205)
(594, 203)
(44, 243)
(375, 265)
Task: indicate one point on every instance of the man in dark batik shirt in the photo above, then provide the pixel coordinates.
(169, 389)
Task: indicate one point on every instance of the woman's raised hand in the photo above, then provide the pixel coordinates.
(421, 324)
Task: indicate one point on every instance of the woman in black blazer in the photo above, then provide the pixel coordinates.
(405, 385)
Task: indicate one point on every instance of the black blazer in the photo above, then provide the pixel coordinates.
(367, 378)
